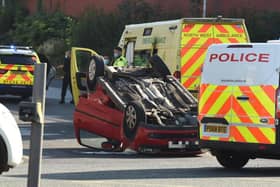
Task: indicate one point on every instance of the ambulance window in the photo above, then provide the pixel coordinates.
(83, 59)
(141, 57)
(17, 59)
(147, 31)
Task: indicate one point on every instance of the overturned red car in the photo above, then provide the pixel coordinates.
(142, 108)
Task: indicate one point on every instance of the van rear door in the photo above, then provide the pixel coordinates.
(237, 98)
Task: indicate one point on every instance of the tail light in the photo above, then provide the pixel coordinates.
(177, 75)
(3, 71)
(278, 103)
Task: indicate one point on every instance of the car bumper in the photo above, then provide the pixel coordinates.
(156, 139)
(21, 90)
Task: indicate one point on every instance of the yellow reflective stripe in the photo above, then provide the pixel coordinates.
(205, 96)
(264, 99)
(234, 117)
(214, 138)
(269, 133)
(247, 107)
(196, 65)
(220, 101)
(244, 131)
(196, 83)
(187, 56)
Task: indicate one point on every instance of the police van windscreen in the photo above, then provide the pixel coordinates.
(17, 59)
(240, 66)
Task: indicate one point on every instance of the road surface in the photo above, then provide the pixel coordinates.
(65, 163)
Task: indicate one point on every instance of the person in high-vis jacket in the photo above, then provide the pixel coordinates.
(119, 60)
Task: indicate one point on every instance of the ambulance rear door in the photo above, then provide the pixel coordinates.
(197, 35)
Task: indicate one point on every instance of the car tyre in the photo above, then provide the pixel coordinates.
(159, 67)
(134, 114)
(3, 156)
(95, 69)
(232, 160)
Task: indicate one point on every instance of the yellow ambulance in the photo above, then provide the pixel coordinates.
(239, 107)
(182, 43)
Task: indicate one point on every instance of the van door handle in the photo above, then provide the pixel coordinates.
(243, 98)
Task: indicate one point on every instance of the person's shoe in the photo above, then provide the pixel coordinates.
(61, 102)
(72, 101)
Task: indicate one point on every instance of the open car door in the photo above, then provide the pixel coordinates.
(80, 59)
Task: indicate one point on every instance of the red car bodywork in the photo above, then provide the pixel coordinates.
(95, 113)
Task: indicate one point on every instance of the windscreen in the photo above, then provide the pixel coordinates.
(17, 59)
(241, 65)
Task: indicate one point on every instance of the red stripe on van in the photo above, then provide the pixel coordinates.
(221, 28)
(197, 55)
(188, 46)
(205, 28)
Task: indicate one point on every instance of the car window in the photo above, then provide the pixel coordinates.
(83, 60)
(17, 59)
(141, 57)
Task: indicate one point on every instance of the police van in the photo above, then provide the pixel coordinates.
(239, 102)
(181, 43)
(17, 70)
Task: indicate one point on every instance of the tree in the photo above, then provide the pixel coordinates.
(98, 31)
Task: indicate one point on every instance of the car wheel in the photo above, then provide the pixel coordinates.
(95, 69)
(232, 160)
(159, 67)
(3, 156)
(134, 114)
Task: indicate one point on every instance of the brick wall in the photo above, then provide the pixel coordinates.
(223, 7)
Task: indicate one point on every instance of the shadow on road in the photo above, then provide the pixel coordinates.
(172, 173)
(65, 153)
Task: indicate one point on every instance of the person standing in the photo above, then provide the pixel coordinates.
(119, 60)
(66, 78)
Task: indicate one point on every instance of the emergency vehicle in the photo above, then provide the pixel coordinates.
(239, 107)
(181, 43)
(16, 70)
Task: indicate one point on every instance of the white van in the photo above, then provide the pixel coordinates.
(239, 107)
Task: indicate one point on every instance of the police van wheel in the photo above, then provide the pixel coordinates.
(95, 69)
(134, 114)
(232, 160)
(159, 67)
(3, 156)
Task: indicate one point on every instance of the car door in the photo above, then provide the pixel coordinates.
(80, 59)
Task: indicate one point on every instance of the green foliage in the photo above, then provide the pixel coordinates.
(36, 29)
(98, 31)
(8, 16)
(102, 31)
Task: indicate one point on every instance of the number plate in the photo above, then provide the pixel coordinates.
(16, 82)
(176, 145)
(215, 128)
(19, 72)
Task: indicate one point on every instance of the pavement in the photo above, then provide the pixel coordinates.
(67, 164)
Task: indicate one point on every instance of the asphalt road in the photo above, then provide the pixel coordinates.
(65, 163)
